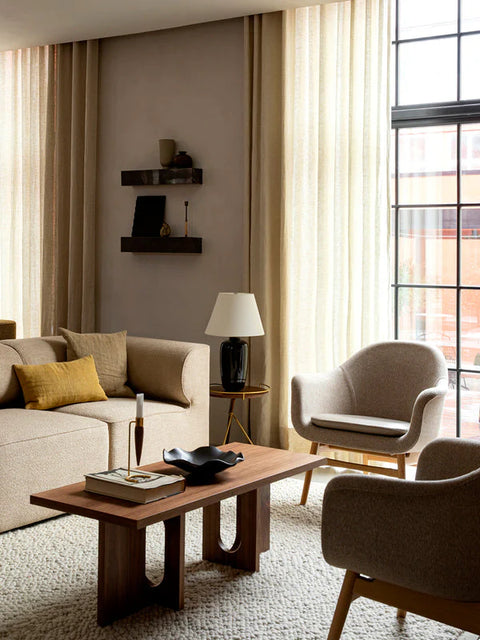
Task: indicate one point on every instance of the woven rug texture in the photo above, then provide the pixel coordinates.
(48, 581)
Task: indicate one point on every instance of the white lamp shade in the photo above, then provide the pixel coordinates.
(235, 315)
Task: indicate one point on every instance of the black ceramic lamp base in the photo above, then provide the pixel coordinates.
(233, 364)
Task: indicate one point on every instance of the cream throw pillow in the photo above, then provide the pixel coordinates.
(109, 350)
(57, 384)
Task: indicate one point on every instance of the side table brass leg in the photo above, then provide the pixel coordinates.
(229, 423)
(244, 432)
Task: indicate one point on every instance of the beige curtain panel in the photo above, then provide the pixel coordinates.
(68, 280)
(265, 216)
(318, 129)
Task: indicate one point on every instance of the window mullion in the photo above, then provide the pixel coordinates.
(458, 319)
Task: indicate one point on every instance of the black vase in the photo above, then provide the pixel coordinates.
(233, 364)
(182, 160)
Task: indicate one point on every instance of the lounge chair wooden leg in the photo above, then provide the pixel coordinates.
(308, 476)
(343, 605)
(401, 613)
(401, 465)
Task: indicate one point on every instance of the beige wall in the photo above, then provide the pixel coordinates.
(185, 84)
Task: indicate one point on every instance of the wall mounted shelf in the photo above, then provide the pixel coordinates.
(161, 176)
(155, 244)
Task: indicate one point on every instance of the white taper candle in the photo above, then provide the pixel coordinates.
(139, 405)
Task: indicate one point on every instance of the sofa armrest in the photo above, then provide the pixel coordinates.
(448, 458)
(315, 393)
(169, 370)
(419, 535)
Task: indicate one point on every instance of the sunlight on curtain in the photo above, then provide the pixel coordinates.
(337, 119)
(23, 117)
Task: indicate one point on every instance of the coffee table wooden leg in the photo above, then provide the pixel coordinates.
(170, 592)
(121, 571)
(253, 531)
(123, 587)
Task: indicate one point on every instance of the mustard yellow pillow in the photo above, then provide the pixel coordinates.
(56, 384)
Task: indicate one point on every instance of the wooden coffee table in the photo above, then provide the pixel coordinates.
(122, 585)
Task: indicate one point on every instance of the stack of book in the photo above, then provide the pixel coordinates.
(146, 486)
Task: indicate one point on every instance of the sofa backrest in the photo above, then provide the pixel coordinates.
(25, 351)
(10, 392)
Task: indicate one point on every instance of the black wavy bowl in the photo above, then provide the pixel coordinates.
(204, 461)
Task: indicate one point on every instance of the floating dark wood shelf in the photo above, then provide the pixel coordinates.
(162, 176)
(155, 244)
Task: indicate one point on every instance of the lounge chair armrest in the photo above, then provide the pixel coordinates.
(426, 416)
(313, 394)
(448, 458)
(419, 535)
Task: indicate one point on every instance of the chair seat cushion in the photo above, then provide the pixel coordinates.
(361, 424)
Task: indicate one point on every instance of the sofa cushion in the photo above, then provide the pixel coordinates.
(59, 383)
(119, 409)
(19, 425)
(361, 424)
(40, 450)
(165, 426)
(109, 350)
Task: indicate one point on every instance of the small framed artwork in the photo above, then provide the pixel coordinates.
(149, 216)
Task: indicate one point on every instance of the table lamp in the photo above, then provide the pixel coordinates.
(234, 315)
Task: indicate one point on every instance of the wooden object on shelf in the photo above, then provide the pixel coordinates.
(161, 245)
(162, 176)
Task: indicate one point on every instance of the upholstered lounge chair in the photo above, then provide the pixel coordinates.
(385, 402)
(417, 541)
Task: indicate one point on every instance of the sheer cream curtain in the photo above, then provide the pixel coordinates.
(24, 80)
(48, 138)
(319, 232)
(338, 112)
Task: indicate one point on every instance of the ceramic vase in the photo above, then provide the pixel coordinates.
(182, 160)
(167, 151)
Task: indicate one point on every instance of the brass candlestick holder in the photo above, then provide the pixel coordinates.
(138, 422)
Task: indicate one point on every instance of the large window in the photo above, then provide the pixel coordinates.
(436, 192)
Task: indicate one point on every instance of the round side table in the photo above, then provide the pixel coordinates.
(247, 393)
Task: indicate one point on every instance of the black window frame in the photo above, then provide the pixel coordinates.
(456, 113)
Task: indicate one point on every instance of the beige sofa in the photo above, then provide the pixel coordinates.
(45, 449)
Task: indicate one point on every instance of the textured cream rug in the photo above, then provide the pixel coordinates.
(48, 578)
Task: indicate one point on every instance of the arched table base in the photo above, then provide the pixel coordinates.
(253, 531)
(123, 587)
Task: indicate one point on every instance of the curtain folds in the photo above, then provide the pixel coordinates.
(24, 81)
(265, 215)
(68, 274)
(318, 130)
(339, 107)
